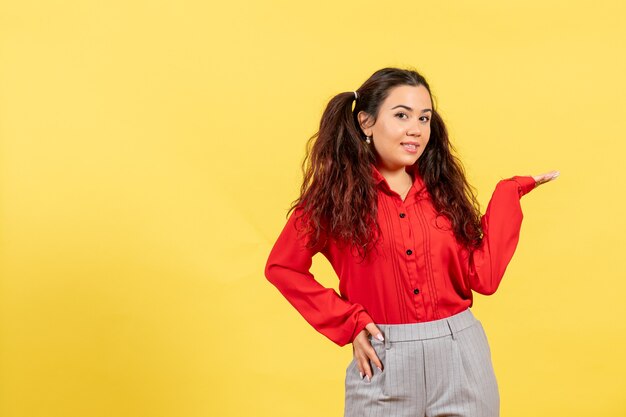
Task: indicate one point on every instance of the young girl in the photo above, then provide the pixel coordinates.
(387, 203)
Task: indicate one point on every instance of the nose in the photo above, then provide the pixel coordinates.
(414, 129)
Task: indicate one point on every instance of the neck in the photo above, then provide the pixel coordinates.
(396, 175)
(399, 180)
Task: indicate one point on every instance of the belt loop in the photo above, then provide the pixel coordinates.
(451, 331)
(387, 336)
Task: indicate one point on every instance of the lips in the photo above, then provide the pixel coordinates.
(410, 146)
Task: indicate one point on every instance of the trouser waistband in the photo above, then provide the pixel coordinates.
(426, 330)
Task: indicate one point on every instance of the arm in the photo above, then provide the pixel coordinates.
(501, 225)
(287, 268)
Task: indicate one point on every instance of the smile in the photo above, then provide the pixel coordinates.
(410, 147)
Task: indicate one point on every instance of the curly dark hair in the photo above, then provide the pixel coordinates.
(338, 196)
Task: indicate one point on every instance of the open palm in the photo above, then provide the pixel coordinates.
(548, 176)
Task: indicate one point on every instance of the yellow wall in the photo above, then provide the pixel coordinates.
(149, 151)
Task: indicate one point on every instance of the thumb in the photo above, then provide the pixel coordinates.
(374, 331)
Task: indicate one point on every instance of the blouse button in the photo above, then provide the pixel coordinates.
(416, 291)
(409, 251)
(402, 215)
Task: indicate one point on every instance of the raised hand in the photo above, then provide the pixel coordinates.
(543, 178)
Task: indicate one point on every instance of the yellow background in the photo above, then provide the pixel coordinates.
(149, 151)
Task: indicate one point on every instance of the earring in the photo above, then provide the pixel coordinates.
(368, 139)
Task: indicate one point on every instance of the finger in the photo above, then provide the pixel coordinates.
(367, 370)
(370, 352)
(363, 362)
(360, 361)
(358, 365)
(376, 360)
(360, 370)
(550, 175)
(543, 178)
(375, 331)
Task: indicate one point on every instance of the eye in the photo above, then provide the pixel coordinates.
(426, 118)
(401, 113)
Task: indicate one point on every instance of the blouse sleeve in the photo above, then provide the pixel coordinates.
(501, 226)
(287, 268)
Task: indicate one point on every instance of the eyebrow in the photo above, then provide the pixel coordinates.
(410, 109)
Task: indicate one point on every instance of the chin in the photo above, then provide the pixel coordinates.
(413, 159)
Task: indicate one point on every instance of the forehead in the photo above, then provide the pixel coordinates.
(408, 95)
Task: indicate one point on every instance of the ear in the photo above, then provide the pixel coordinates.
(364, 120)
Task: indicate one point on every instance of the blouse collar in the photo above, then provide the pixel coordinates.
(418, 181)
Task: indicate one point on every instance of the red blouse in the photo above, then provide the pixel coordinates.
(419, 272)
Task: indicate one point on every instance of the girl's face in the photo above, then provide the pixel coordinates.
(402, 129)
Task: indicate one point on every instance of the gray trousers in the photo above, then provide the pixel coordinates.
(433, 369)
